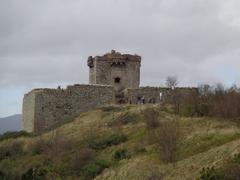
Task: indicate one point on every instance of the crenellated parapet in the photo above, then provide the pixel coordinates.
(114, 58)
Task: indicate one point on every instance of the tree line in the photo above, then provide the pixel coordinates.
(206, 100)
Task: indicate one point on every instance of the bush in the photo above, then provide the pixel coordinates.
(124, 119)
(59, 143)
(53, 146)
(10, 150)
(166, 134)
(153, 173)
(93, 169)
(4, 176)
(236, 158)
(215, 101)
(111, 109)
(120, 154)
(229, 171)
(105, 141)
(82, 158)
(15, 134)
(168, 138)
(210, 173)
(36, 173)
(38, 146)
(151, 117)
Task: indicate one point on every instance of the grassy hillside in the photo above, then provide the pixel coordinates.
(117, 143)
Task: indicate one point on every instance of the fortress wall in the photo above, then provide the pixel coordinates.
(53, 106)
(102, 72)
(153, 93)
(133, 74)
(148, 93)
(92, 72)
(28, 112)
(104, 69)
(129, 75)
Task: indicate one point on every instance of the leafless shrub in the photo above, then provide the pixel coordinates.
(10, 150)
(52, 146)
(59, 143)
(166, 134)
(216, 101)
(225, 104)
(82, 158)
(176, 100)
(231, 170)
(151, 117)
(37, 146)
(168, 137)
(153, 172)
(123, 119)
(90, 132)
(175, 94)
(154, 175)
(171, 82)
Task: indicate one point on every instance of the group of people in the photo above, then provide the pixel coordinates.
(142, 100)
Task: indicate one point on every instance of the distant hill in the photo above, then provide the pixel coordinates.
(10, 123)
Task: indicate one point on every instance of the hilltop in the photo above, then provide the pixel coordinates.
(116, 142)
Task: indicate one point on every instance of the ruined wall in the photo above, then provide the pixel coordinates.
(92, 77)
(152, 94)
(128, 73)
(103, 70)
(45, 108)
(149, 94)
(28, 112)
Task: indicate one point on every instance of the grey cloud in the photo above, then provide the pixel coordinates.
(48, 41)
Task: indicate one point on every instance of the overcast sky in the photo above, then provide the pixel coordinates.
(46, 43)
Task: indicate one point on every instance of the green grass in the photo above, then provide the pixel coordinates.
(105, 141)
(202, 142)
(120, 148)
(15, 134)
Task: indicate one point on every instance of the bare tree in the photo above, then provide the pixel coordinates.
(204, 89)
(219, 89)
(171, 82)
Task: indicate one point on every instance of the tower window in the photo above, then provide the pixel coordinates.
(117, 80)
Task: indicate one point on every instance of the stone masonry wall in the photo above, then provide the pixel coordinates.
(104, 69)
(28, 112)
(45, 108)
(152, 94)
(104, 73)
(149, 94)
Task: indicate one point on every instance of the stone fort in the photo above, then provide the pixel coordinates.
(114, 78)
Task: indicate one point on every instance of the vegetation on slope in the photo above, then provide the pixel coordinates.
(130, 142)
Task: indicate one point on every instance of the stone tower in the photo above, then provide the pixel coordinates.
(122, 71)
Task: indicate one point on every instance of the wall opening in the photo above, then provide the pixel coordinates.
(117, 80)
